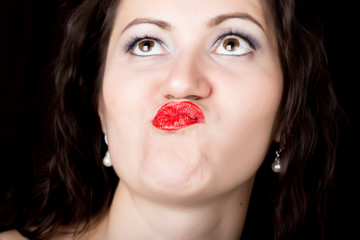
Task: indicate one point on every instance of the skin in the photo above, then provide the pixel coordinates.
(194, 183)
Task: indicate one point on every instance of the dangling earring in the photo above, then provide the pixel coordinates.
(276, 165)
(107, 160)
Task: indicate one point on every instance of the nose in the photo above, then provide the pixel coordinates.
(186, 79)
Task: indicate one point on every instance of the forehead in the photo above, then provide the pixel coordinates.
(186, 12)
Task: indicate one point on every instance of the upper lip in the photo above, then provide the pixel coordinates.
(176, 115)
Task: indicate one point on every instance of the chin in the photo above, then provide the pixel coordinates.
(176, 178)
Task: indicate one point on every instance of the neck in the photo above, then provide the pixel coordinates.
(134, 217)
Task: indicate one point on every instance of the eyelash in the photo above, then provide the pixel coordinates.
(248, 38)
(133, 41)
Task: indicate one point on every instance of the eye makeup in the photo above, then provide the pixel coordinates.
(253, 43)
(136, 39)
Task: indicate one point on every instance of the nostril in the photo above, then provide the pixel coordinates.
(189, 97)
(192, 97)
(169, 96)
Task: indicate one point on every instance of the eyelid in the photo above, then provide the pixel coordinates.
(253, 43)
(137, 39)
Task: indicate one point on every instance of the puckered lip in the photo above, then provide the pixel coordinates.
(173, 116)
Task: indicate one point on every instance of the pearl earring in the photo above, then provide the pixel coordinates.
(276, 165)
(107, 159)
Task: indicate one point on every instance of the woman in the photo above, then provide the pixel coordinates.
(189, 98)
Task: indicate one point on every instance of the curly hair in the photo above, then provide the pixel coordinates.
(72, 187)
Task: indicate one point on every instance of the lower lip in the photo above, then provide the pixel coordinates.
(177, 115)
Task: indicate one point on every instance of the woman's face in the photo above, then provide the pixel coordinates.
(216, 54)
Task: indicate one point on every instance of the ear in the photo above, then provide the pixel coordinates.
(277, 136)
(277, 133)
(278, 128)
(100, 111)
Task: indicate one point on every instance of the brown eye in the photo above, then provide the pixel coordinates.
(146, 45)
(231, 44)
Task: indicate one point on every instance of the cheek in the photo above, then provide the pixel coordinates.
(128, 93)
(245, 121)
(124, 113)
(130, 100)
(240, 118)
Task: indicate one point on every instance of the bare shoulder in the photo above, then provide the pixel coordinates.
(11, 235)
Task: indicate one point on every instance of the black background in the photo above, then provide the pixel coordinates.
(29, 38)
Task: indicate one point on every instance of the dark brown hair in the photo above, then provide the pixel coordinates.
(309, 117)
(70, 184)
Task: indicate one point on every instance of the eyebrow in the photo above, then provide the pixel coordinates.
(212, 23)
(161, 24)
(221, 18)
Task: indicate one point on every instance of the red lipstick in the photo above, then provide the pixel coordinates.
(176, 115)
